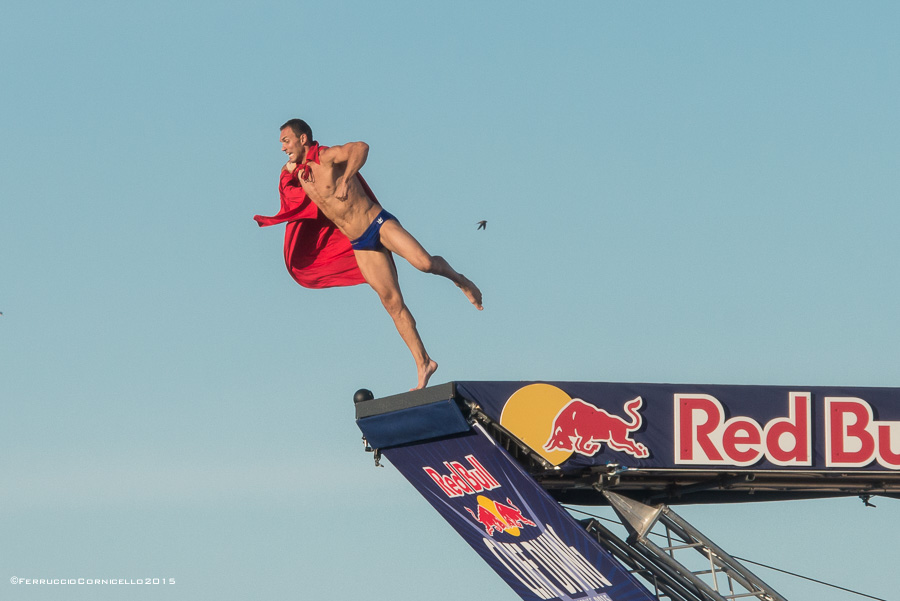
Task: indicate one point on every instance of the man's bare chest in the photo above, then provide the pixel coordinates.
(318, 182)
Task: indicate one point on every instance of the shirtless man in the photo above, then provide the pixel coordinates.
(328, 177)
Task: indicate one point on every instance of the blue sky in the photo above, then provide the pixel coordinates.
(694, 192)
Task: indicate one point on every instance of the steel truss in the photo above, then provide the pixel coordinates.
(719, 577)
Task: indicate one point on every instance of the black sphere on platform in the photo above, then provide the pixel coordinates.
(363, 394)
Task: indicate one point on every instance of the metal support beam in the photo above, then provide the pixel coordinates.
(723, 578)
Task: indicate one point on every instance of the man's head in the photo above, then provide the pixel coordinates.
(296, 135)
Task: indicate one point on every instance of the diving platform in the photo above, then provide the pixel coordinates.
(498, 460)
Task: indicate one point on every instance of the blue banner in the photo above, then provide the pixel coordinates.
(526, 537)
(697, 427)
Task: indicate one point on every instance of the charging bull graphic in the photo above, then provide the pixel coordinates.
(498, 517)
(583, 428)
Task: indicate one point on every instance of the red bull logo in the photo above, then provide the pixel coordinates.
(854, 438)
(852, 435)
(583, 428)
(499, 517)
(811, 429)
(462, 480)
(703, 435)
(556, 426)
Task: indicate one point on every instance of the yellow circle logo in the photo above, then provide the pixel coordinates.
(529, 415)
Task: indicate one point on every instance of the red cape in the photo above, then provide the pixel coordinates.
(316, 253)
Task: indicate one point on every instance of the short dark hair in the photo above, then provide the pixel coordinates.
(299, 126)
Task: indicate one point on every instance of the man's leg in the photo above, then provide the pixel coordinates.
(381, 274)
(396, 239)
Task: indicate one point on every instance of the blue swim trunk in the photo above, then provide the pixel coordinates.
(371, 238)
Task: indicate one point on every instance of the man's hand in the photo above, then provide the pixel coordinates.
(342, 189)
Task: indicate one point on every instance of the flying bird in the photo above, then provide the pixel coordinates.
(482, 225)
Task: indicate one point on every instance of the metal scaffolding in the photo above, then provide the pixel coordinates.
(717, 576)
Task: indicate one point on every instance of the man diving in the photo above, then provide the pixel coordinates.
(329, 178)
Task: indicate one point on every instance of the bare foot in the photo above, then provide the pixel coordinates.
(471, 291)
(425, 374)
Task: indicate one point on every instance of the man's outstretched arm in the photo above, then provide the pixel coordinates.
(354, 155)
